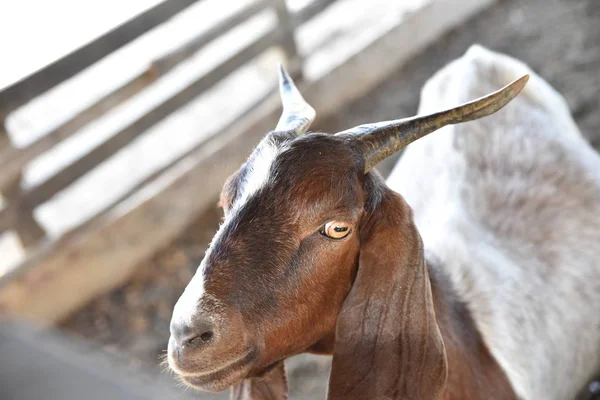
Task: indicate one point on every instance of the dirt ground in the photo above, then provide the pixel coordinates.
(560, 39)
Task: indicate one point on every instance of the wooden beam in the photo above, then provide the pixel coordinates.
(286, 28)
(8, 219)
(97, 261)
(172, 59)
(12, 160)
(18, 216)
(310, 11)
(83, 165)
(4, 139)
(70, 273)
(374, 63)
(39, 82)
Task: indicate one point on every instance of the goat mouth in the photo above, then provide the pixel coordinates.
(223, 377)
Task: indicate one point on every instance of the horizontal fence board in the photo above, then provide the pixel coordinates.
(169, 61)
(105, 211)
(13, 160)
(103, 260)
(99, 261)
(72, 272)
(310, 11)
(83, 165)
(39, 82)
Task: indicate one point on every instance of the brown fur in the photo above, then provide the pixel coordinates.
(368, 299)
(272, 386)
(472, 371)
(403, 334)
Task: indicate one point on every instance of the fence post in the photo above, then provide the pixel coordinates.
(288, 40)
(28, 229)
(4, 139)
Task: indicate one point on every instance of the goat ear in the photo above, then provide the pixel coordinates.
(388, 344)
(272, 386)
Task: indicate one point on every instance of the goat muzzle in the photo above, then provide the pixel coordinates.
(210, 351)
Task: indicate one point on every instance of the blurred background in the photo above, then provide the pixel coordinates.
(120, 122)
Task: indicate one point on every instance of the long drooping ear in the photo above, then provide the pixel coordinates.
(273, 386)
(388, 344)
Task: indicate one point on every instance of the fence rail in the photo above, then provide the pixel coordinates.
(17, 214)
(41, 81)
(103, 253)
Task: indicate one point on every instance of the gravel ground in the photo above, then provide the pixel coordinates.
(560, 39)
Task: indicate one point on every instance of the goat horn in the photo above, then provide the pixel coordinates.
(297, 113)
(380, 140)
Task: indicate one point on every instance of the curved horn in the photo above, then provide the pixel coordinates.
(297, 113)
(380, 140)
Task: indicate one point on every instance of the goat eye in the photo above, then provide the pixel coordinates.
(335, 229)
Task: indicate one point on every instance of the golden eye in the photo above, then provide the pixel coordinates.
(336, 229)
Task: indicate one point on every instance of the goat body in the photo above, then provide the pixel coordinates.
(509, 207)
(488, 288)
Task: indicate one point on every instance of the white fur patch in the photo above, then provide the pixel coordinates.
(258, 173)
(190, 302)
(510, 205)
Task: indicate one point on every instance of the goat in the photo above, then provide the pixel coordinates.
(485, 287)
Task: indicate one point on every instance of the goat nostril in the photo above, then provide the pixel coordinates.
(197, 333)
(201, 339)
(206, 336)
